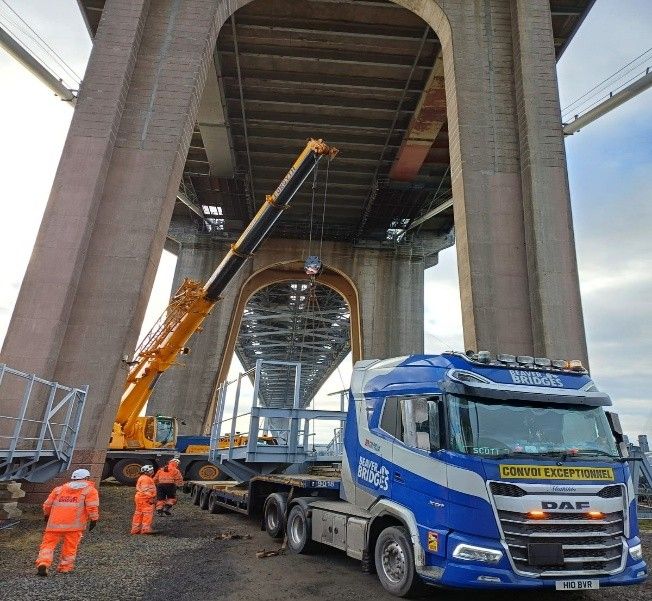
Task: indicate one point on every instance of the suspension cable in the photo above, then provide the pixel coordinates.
(31, 33)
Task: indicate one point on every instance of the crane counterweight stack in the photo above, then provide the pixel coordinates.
(188, 308)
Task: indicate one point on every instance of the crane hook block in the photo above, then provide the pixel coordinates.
(313, 265)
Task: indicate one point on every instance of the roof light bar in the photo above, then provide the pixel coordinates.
(525, 360)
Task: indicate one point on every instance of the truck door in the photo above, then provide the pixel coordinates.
(418, 478)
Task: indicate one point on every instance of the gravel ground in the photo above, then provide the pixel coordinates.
(185, 562)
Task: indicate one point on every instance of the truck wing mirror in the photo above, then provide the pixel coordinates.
(614, 424)
(617, 431)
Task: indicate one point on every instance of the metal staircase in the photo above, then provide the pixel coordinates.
(39, 423)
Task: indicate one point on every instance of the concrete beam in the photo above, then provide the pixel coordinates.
(213, 126)
(427, 121)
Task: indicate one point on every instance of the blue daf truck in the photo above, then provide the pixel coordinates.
(464, 470)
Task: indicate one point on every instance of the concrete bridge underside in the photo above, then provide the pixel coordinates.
(426, 99)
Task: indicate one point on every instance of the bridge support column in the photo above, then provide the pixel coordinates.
(516, 256)
(90, 275)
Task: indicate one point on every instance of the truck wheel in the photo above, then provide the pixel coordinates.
(299, 530)
(213, 507)
(196, 494)
(395, 562)
(274, 514)
(127, 471)
(204, 497)
(203, 471)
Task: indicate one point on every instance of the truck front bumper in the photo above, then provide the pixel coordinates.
(477, 576)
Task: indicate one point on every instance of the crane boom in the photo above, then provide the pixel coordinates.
(193, 301)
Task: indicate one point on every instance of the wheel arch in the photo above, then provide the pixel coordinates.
(387, 513)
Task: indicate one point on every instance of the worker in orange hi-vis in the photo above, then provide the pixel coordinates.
(67, 511)
(167, 479)
(145, 498)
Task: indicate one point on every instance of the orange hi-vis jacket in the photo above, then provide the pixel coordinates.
(145, 488)
(71, 505)
(170, 474)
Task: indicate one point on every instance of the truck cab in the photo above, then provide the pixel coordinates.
(500, 472)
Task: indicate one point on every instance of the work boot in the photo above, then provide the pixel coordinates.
(42, 570)
(151, 532)
(167, 511)
(159, 512)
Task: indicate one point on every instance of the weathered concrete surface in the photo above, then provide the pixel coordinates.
(88, 281)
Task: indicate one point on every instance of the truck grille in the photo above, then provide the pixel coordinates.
(589, 546)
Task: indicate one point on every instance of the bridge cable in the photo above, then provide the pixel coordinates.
(44, 45)
(579, 104)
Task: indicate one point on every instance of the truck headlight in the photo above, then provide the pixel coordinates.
(473, 553)
(636, 552)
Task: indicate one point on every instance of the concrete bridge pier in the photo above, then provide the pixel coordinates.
(387, 311)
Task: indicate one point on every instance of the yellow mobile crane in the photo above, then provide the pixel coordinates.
(189, 307)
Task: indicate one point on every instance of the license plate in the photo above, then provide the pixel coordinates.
(577, 585)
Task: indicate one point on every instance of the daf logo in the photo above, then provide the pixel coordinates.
(580, 505)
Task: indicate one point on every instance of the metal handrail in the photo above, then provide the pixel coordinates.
(38, 448)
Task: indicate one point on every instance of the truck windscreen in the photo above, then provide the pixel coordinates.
(492, 428)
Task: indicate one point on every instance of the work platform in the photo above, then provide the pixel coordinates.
(276, 437)
(39, 430)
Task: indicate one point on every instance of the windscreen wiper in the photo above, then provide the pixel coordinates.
(600, 452)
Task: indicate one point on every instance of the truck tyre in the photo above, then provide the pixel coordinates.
(196, 493)
(127, 471)
(107, 470)
(274, 513)
(395, 562)
(203, 471)
(204, 497)
(213, 506)
(299, 530)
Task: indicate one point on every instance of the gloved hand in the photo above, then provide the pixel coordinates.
(92, 524)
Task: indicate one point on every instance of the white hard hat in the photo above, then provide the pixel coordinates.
(80, 474)
(175, 459)
(147, 469)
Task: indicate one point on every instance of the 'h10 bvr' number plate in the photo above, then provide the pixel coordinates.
(577, 585)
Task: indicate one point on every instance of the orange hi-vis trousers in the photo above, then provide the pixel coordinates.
(50, 541)
(141, 523)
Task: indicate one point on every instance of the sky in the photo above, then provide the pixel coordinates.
(609, 164)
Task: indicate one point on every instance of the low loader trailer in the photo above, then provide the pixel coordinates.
(461, 470)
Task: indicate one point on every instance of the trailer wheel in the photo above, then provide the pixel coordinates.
(204, 471)
(204, 497)
(127, 471)
(395, 562)
(196, 493)
(213, 506)
(299, 530)
(274, 514)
